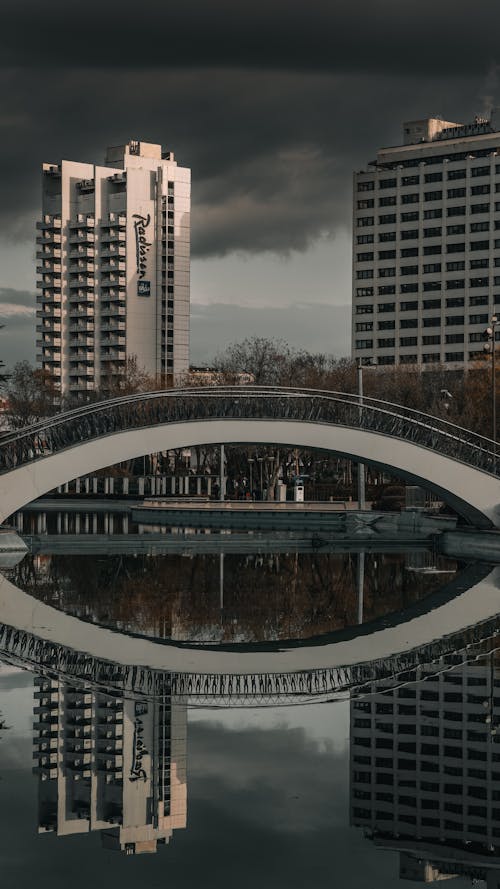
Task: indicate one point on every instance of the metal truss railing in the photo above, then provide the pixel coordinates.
(30, 652)
(92, 421)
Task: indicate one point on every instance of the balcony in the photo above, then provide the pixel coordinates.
(81, 341)
(112, 250)
(81, 296)
(81, 281)
(114, 220)
(80, 370)
(82, 237)
(113, 326)
(81, 355)
(115, 340)
(113, 265)
(81, 251)
(49, 251)
(48, 223)
(114, 310)
(48, 237)
(113, 236)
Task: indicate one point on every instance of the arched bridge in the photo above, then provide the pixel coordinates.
(458, 465)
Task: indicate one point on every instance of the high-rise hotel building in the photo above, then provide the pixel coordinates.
(426, 253)
(113, 264)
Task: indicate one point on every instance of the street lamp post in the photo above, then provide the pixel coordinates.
(361, 466)
(250, 463)
(260, 460)
(490, 334)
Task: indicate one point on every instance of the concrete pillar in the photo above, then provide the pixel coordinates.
(95, 489)
(77, 486)
(87, 485)
(198, 485)
(94, 523)
(140, 487)
(66, 522)
(39, 523)
(125, 485)
(66, 488)
(163, 490)
(86, 525)
(125, 524)
(77, 523)
(111, 523)
(111, 485)
(59, 522)
(209, 486)
(172, 485)
(106, 523)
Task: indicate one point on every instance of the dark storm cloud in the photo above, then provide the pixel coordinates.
(323, 35)
(271, 104)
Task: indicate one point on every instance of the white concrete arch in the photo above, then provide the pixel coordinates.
(473, 493)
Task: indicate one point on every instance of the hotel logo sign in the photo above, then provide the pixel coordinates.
(142, 248)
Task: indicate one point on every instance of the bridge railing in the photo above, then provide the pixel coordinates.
(149, 409)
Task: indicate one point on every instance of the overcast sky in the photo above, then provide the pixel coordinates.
(272, 105)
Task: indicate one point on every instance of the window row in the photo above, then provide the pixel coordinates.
(435, 176)
(456, 229)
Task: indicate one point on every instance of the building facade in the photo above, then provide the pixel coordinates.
(425, 770)
(110, 764)
(426, 246)
(113, 251)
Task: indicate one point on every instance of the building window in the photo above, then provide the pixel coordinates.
(365, 239)
(480, 171)
(411, 198)
(430, 358)
(435, 213)
(432, 232)
(409, 269)
(431, 285)
(479, 263)
(479, 282)
(433, 195)
(454, 356)
(479, 300)
(364, 291)
(364, 310)
(364, 326)
(432, 267)
(479, 208)
(365, 257)
(387, 218)
(386, 307)
(386, 343)
(433, 177)
(387, 290)
(455, 229)
(387, 273)
(410, 180)
(432, 250)
(386, 325)
(454, 320)
(364, 221)
(408, 359)
(434, 340)
(405, 323)
(456, 174)
(364, 273)
(432, 303)
(409, 288)
(410, 216)
(387, 236)
(364, 344)
(366, 204)
(409, 251)
(476, 337)
(455, 284)
(387, 254)
(457, 266)
(388, 200)
(434, 321)
(457, 192)
(408, 341)
(480, 189)
(388, 183)
(478, 319)
(411, 306)
(454, 337)
(366, 186)
(456, 211)
(479, 245)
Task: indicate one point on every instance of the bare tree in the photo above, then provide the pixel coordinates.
(31, 395)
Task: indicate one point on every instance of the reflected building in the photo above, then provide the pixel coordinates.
(425, 770)
(110, 764)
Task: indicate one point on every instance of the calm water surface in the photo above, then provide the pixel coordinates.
(393, 775)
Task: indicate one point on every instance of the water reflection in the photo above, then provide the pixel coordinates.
(425, 769)
(109, 764)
